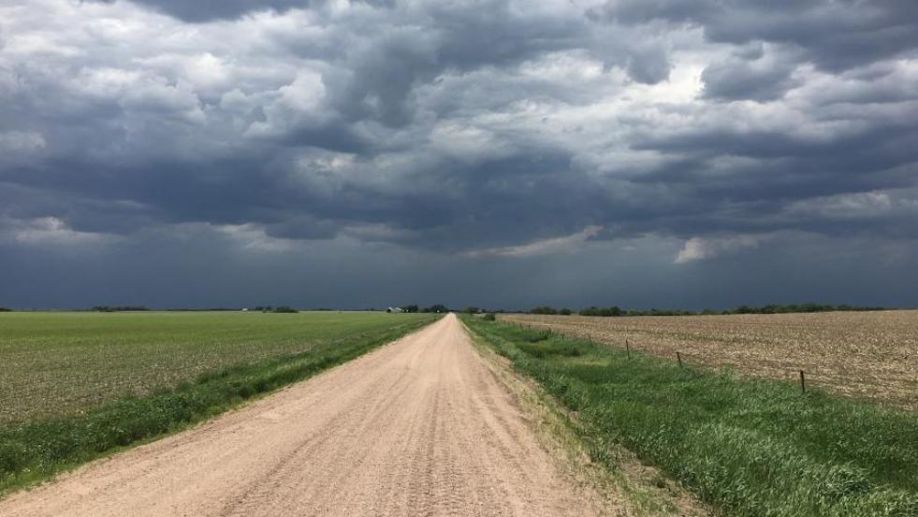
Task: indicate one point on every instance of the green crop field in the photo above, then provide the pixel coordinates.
(76, 385)
(58, 363)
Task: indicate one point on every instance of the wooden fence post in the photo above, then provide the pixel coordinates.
(802, 382)
(628, 348)
(679, 358)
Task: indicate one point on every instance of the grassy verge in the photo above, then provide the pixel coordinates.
(748, 447)
(33, 451)
(863, 355)
(633, 489)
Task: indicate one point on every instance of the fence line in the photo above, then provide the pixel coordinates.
(878, 386)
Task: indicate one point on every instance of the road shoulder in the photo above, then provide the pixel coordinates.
(633, 490)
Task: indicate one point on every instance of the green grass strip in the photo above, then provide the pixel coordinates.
(34, 451)
(749, 447)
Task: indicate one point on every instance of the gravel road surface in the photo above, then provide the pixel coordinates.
(418, 427)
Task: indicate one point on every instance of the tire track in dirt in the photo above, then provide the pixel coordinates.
(419, 427)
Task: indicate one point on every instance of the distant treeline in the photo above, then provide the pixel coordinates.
(119, 308)
(5, 309)
(742, 309)
(280, 309)
(433, 308)
(612, 311)
(201, 309)
(261, 308)
(471, 309)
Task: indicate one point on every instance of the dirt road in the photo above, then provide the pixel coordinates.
(419, 427)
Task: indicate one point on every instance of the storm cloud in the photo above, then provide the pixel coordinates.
(466, 152)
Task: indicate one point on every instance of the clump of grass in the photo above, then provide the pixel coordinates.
(750, 447)
(33, 450)
(536, 336)
(544, 348)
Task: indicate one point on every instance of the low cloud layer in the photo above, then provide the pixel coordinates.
(296, 136)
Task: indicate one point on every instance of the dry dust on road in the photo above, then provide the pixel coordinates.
(418, 427)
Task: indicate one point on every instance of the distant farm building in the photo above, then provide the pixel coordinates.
(395, 309)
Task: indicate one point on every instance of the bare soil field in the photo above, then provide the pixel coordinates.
(871, 355)
(418, 427)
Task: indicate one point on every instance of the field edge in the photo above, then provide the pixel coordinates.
(746, 447)
(35, 452)
(634, 489)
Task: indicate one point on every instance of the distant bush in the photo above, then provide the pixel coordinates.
(119, 308)
(565, 312)
(602, 311)
(543, 309)
(437, 308)
(280, 309)
(5, 309)
(489, 317)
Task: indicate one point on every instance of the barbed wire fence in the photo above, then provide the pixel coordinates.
(808, 375)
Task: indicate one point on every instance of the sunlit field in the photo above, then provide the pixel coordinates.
(76, 386)
(59, 363)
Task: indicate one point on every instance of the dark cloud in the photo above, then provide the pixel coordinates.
(741, 78)
(207, 10)
(835, 35)
(508, 146)
(649, 66)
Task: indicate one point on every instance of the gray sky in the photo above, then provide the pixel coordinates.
(682, 153)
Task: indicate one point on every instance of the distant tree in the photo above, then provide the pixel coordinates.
(284, 309)
(543, 309)
(489, 317)
(119, 308)
(410, 308)
(602, 311)
(5, 309)
(565, 312)
(471, 309)
(439, 308)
